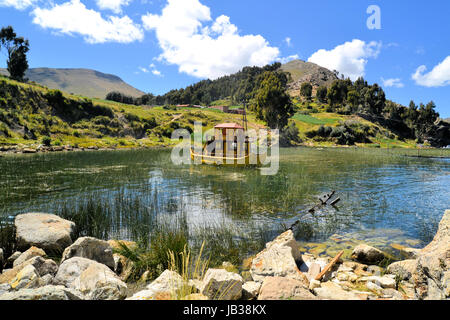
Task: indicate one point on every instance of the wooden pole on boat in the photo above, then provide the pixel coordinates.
(329, 266)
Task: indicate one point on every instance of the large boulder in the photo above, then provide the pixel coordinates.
(367, 254)
(403, 269)
(432, 274)
(278, 288)
(95, 280)
(27, 255)
(162, 288)
(90, 248)
(219, 284)
(280, 258)
(12, 258)
(44, 293)
(43, 230)
(42, 266)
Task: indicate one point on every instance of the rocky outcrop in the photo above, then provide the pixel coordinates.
(219, 284)
(280, 288)
(90, 248)
(27, 255)
(367, 254)
(44, 293)
(95, 280)
(43, 230)
(280, 258)
(431, 276)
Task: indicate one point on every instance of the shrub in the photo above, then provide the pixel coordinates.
(46, 140)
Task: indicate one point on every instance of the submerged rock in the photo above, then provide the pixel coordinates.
(219, 284)
(367, 254)
(95, 280)
(279, 288)
(90, 248)
(43, 230)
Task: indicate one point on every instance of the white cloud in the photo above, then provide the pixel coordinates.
(18, 4)
(289, 58)
(205, 51)
(288, 41)
(74, 18)
(156, 72)
(145, 70)
(438, 77)
(393, 82)
(349, 58)
(113, 5)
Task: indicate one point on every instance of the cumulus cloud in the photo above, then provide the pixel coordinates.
(349, 58)
(18, 4)
(438, 77)
(393, 82)
(203, 47)
(74, 18)
(113, 5)
(288, 58)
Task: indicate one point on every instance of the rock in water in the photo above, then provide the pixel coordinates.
(95, 280)
(43, 230)
(281, 258)
(219, 284)
(90, 248)
(367, 254)
(43, 293)
(278, 288)
(27, 255)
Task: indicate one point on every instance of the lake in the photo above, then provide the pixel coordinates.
(387, 199)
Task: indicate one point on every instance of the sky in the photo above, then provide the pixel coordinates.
(159, 45)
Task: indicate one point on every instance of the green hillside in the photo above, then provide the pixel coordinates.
(85, 82)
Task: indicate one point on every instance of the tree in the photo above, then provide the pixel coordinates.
(306, 90)
(272, 103)
(321, 94)
(16, 48)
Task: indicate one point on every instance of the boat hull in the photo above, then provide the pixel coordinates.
(247, 160)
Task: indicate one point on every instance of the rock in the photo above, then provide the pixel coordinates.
(313, 270)
(280, 258)
(95, 280)
(164, 287)
(44, 293)
(12, 258)
(43, 230)
(27, 255)
(219, 284)
(250, 290)
(384, 281)
(28, 277)
(1, 259)
(278, 288)
(314, 284)
(46, 280)
(403, 269)
(332, 291)
(42, 266)
(393, 294)
(373, 286)
(91, 248)
(5, 287)
(375, 270)
(367, 254)
(410, 253)
(433, 263)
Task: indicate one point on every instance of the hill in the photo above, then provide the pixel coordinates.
(302, 71)
(84, 82)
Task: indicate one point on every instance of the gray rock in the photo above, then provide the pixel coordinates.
(219, 284)
(43, 230)
(367, 254)
(332, 291)
(91, 248)
(163, 287)
(4, 287)
(42, 266)
(375, 270)
(27, 255)
(373, 286)
(43, 293)
(313, 271)
(95, 280)
(278, 288)
(12, 258)
(403, 269)
(28, 277)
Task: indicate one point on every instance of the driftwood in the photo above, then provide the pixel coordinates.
(329, 266)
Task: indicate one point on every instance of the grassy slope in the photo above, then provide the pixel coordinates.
(88, 132)
(85, 82)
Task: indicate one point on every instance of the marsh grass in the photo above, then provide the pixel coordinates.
(7, 239)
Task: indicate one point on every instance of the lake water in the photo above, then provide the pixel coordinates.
(387, 199)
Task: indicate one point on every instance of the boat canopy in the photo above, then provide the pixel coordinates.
(229, 126)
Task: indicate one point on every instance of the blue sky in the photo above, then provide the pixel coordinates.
(158, 45)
